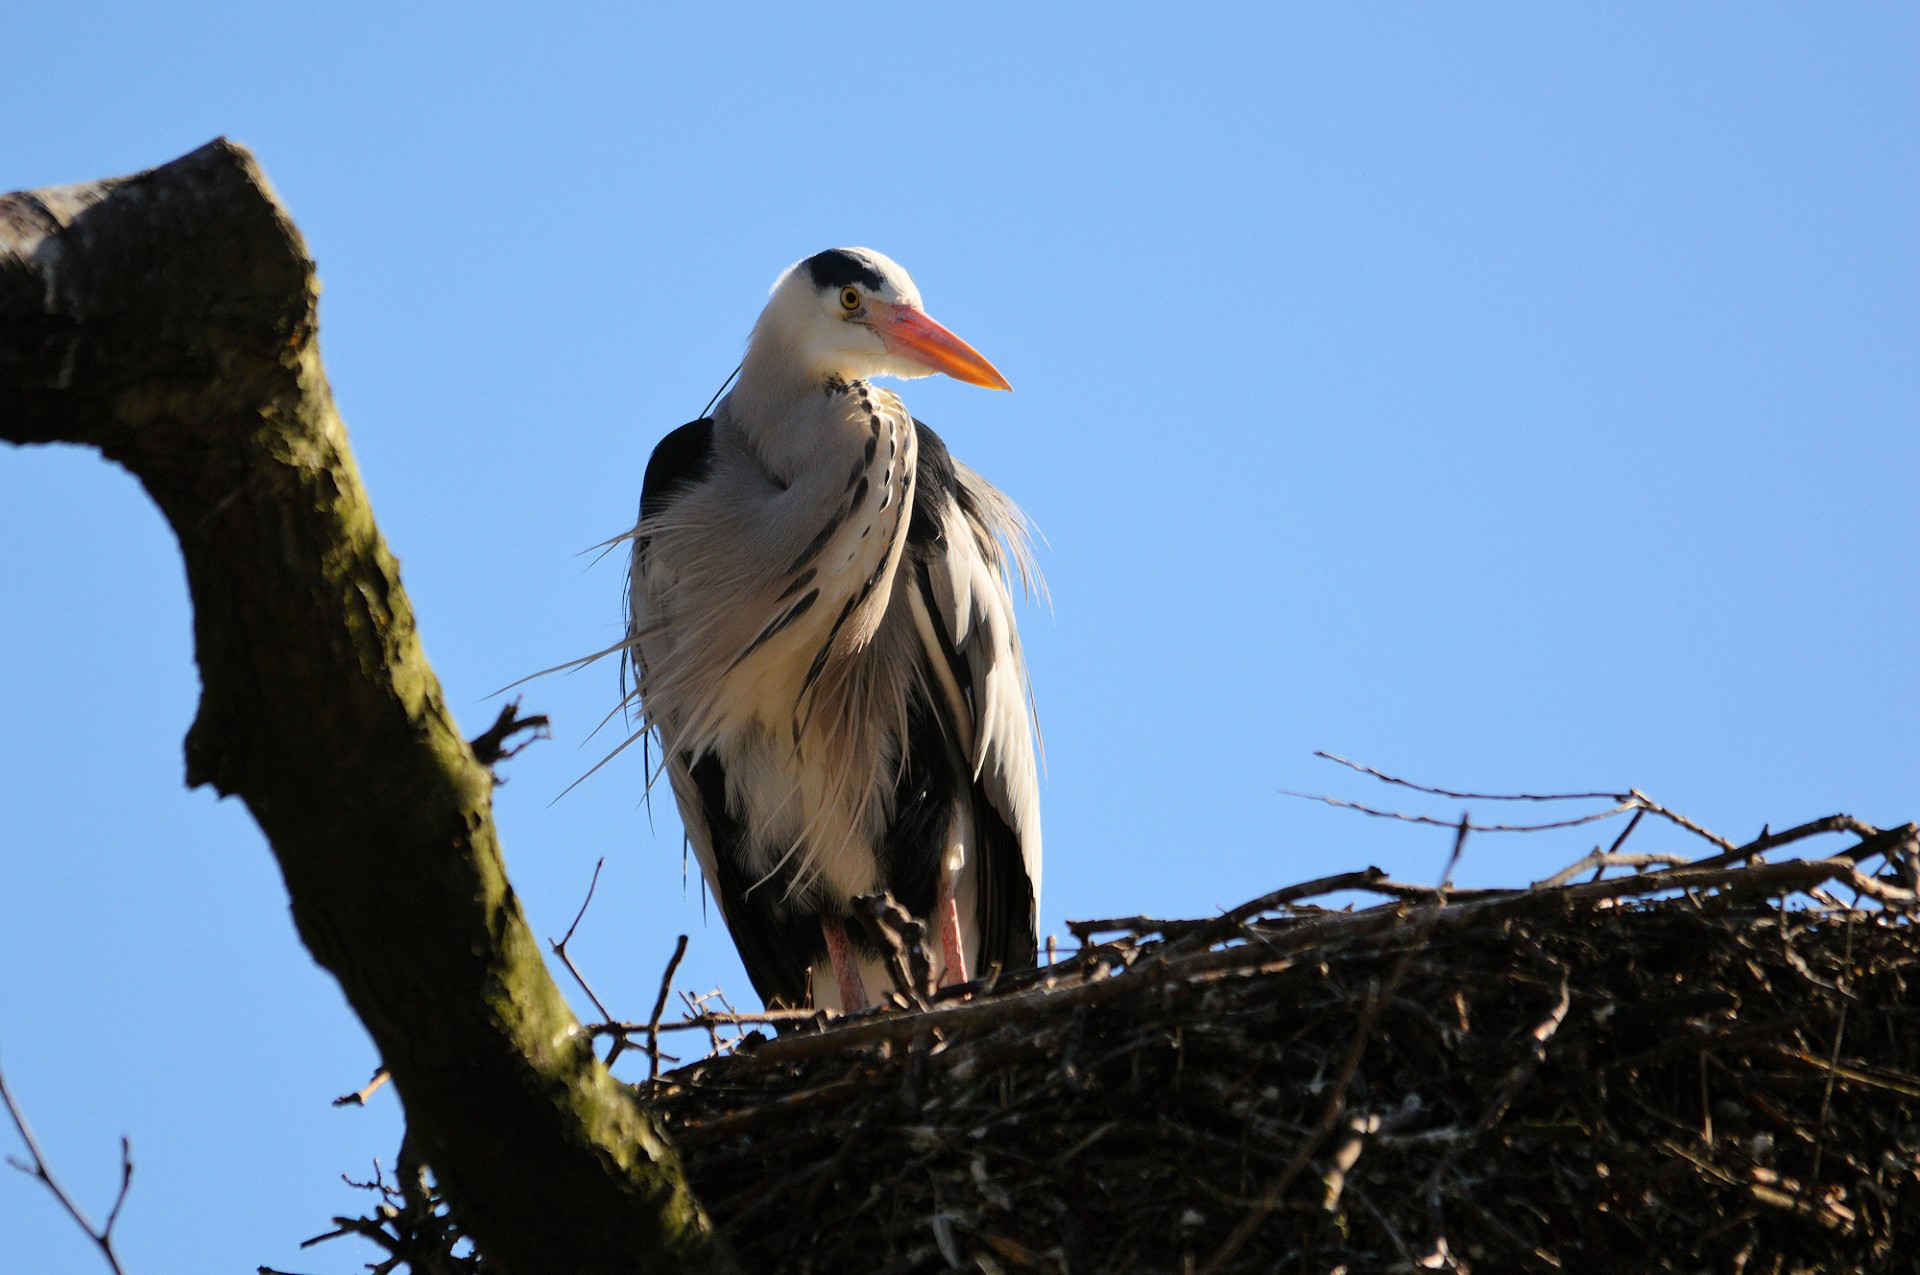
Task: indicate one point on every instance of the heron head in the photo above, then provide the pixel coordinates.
(854, 313)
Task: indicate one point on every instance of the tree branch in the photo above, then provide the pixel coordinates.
(36, 1166)
(168, 319)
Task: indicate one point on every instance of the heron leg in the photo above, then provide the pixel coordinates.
(953, 965)
(846, 971)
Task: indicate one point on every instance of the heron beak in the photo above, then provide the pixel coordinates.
(910, 334)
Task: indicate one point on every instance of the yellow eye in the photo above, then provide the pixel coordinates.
(849, 299)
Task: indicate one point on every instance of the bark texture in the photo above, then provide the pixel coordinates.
(168, 319)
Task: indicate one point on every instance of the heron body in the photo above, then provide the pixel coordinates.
(822, 630)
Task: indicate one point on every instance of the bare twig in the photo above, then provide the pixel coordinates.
(707, 1020)
(659, 1008)
(1632, 799)
(560, 948)
(1600, 860)
(1651, 806)
(358, 1098)
(36, 1167)
(1620, 809)
(1230, 920)
(1468, 796)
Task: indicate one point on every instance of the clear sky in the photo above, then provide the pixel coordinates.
(1506, 395)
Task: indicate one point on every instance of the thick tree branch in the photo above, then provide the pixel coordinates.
(168, 319)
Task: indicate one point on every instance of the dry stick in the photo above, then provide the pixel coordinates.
(358, 1098)
(1622, 808)
(1832, 823)
(103, 1237)
(653, 1023)
(1870, 843)
(1902, 1085)
(560, 948)
(1231, 919)
(1469, 796)
(1653, 807)
(1337, 1098)
(1625, 832)
(1600, 861)
(1598, 856)
(1633, 797)
(707, 1020)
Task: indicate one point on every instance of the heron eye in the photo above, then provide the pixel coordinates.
(849, 299)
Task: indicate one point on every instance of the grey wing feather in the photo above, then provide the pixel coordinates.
(966, 575)
(776, 951)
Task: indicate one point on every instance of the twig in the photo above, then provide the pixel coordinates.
(560, 948)
(1468, 796)
(358, 1098)
(103, 1237)
(1622, 808)
(1601, 860)
(1626, 832)
(1232, 918)
(592, 884)
(659, 1008)
(707, 1020)
(1651, 806)
(1632, 799)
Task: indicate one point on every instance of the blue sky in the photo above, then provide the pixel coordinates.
(1514, 396)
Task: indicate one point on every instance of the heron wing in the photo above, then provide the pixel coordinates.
(962, 534)
(777, 950)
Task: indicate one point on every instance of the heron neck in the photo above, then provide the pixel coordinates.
(767, 401)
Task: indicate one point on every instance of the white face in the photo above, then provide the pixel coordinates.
(825, 311)
(853, 313)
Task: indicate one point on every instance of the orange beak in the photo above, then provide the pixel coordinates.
(909, 333)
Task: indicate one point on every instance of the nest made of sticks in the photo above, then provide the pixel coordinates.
(1696, 1065)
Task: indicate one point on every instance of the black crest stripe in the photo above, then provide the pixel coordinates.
(839, 267)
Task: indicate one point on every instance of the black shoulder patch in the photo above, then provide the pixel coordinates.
(836, 268)
(682, 458)
(935, 487)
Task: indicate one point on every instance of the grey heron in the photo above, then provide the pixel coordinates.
(823, 638)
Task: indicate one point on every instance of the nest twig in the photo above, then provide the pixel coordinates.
(1673, 1065)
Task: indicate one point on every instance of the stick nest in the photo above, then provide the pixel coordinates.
(1711, 1065)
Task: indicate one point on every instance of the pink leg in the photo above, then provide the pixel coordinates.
(954, 963)
(853, 992)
